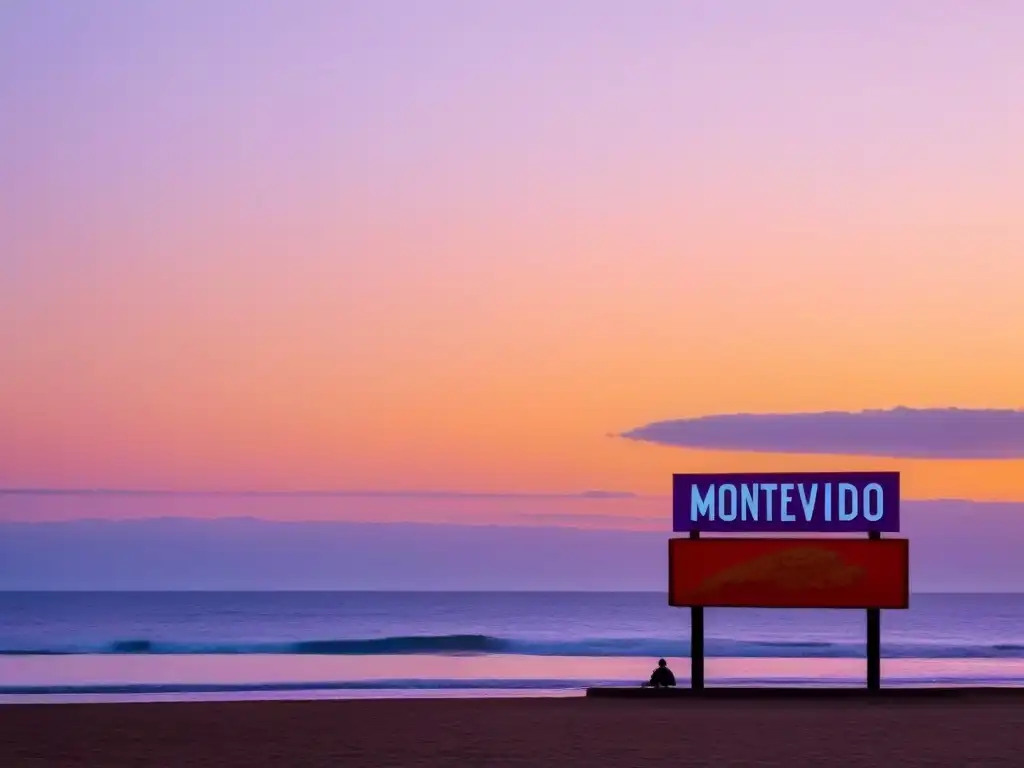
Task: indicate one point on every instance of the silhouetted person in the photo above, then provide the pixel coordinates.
(662, 676)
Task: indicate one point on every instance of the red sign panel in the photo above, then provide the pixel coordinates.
(789, 573)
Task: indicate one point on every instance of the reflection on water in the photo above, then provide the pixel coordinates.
(309, 677)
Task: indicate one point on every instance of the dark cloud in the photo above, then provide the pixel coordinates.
(926, 433)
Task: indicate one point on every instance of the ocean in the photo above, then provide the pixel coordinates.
(192, 645)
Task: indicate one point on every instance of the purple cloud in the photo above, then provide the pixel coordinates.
(340, 494)
(925, 433)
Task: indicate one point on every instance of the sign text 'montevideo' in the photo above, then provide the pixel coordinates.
(827, 502)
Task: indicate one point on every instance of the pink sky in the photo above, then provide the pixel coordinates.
(455, 245)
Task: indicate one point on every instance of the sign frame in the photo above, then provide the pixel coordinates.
(898, 549)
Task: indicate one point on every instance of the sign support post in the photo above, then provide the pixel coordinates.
(874, 644)
(696, 640)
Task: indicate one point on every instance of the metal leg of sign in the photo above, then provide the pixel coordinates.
(696, 641)
(874, 649)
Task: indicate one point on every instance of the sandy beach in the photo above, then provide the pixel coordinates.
(513, 732)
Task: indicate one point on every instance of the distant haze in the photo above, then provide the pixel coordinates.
(955, 546)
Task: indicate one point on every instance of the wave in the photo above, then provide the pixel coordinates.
(486, 644)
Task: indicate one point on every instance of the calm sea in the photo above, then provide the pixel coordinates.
(59, 645)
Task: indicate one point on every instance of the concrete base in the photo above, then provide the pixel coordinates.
(810, 694)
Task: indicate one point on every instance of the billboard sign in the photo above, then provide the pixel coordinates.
(797, 502)
(789, 573)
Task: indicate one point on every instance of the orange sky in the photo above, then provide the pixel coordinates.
(466, 275)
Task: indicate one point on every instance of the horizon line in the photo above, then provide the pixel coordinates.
(939, 592)
(588, 495)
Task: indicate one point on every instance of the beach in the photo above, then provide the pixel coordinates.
(460, 732)
(365, 679)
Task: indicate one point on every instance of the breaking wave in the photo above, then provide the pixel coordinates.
(485, 644)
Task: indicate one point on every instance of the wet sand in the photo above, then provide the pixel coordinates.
(466, 732)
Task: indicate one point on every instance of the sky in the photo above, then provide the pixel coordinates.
(258, 554)
(516, 248)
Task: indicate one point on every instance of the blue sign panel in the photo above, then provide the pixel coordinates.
(800, 502)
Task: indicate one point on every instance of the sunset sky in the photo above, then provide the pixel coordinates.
(464, 246)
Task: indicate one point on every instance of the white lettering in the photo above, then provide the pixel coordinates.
(702, 506)
(749, 502)
(785, 496)
(727, 510)
(847, 512)
(873, 511)
(808, 502)
(769, 489)
(741, 503)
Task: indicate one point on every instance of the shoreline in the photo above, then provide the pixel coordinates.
(502, 731)
(248, 677)
(298, 695)
(750, 691)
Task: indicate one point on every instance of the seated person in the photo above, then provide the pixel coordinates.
(661, 677)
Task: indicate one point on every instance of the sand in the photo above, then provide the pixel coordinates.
(509, 732)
